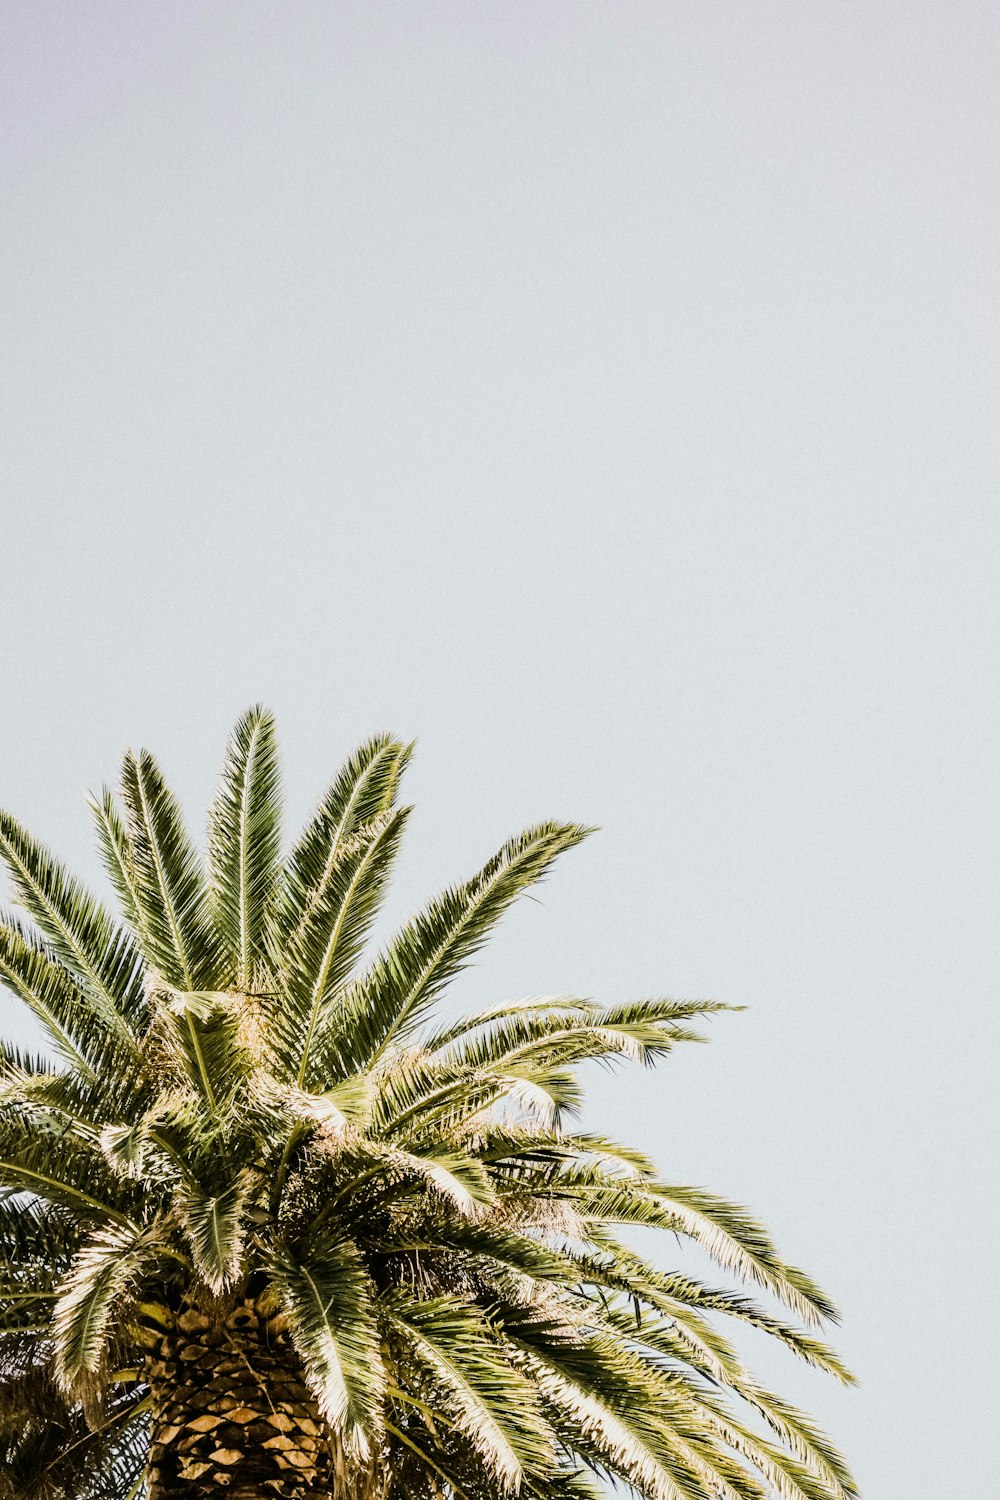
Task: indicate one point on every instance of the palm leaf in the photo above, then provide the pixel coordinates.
(82, 934)
(730, 1234)
(59, 1168)
(116, 853)
(78, 1031)
(590, 1425)
(169, 882)
(539, 1006)
(244, 841)
(325, 946)
(404, 982)
(328, 1299)
(102, 1273)
(740, 1243)
(365, 789)
(216, 1230)
(484, 1396)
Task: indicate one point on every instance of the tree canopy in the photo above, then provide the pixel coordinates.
(239, 1100)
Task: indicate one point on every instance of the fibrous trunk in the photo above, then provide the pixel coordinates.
(230, 1412)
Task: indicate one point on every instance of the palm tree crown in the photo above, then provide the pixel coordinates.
(257, 1152)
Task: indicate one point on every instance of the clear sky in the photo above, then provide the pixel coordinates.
(605, 395)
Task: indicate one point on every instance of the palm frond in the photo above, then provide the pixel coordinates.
(327, 1296)
(327, 941)
(457, 1176)
(739, 1242)
(60, 1168)
(82, 934)
(805, 1438)
(102, 1273)
(215, 1228)
(169, 881)
(488, 1400)
(244, 841)
(52, 995)
(730, 1234)
(116, 853)
(535, 1005)
(364, 789)
(397, 991)
(592, 1426)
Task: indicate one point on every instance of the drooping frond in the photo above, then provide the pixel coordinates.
(734, 1239)
(488, 1399)
(215, 1227)
(593, 1427)
(244, 842)
(327, 1296)
(102, 1273)
(170, 887)
(61, 1168)
(739, 1242)
(37, 1243)
(48, 1451)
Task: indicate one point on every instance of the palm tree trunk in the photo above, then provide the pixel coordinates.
(230, 1412)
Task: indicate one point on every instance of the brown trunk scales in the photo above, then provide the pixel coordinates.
(230, 1412)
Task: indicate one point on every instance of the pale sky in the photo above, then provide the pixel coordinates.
(604, 395)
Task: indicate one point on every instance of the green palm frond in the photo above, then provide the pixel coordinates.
(328, 1298)
(37, 1244)
(488, 1400)
(805, 1438)
(560, 1040)
(48, 991)
(806, 1346)
(600, 1433)
(329, 938)
(102, 1273)
(458, 1177)
(730, 1234)
(48, 1450)
(116, 853)
(364, 790)
(215, 1227)
(82, 934)
(739, 1242)
(60, 1168)
(244, 842)
(402, 984)
(536, 1005)
(172, 892)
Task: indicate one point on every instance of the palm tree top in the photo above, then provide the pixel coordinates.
(243, 1110)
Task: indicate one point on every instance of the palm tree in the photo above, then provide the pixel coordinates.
(268, 1230)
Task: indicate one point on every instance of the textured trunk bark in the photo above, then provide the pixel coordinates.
(230, 1413)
